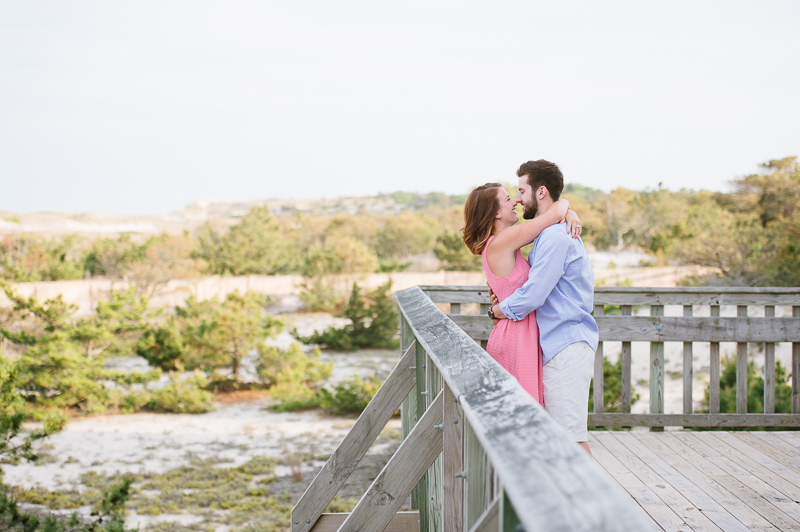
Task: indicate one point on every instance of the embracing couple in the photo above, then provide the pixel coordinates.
(544, 333)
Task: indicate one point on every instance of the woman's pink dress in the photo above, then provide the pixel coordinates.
(515, 344)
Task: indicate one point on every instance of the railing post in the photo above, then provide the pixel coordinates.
(484, 308)
(657, 372)
(741, 368)
(713, 370)
(597, 385)
(769, 368)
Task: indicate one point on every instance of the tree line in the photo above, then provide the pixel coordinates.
(750, 233)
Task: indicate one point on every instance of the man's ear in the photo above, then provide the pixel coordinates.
(542, 192)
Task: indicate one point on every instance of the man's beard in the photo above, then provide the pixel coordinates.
(529, 210)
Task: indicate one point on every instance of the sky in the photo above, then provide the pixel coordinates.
(145, 107)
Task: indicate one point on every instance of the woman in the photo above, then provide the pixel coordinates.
(490, 230)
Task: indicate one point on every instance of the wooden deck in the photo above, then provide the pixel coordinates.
(687, 481)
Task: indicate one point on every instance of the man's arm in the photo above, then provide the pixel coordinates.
(547, 269)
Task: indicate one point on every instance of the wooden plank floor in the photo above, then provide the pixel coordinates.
(717, 481)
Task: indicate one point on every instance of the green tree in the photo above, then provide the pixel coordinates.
(373, 322)
(254, 246)
(28, 258)
(612, 388)
(210, 335)
(454, 255)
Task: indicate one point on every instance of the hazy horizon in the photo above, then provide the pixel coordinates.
(146, 108)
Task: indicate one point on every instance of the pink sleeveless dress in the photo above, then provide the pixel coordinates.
(515, 344)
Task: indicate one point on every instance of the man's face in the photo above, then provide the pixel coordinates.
(530, 205)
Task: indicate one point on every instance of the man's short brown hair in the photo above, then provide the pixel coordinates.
(543, 173)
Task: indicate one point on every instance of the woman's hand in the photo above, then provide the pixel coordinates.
(573, 224)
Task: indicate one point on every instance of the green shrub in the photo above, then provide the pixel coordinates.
(293, 375)
(755, 389)
(275, 365)
(349, 397)
(373, 323)
(182, 396)
(612, 388)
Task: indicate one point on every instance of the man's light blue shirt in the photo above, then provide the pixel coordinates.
(560, 288)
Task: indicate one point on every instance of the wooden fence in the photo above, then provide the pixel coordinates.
(657, 329)
(478, 454)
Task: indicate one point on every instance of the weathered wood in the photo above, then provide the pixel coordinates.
(626, 368)
(452, 464)
(355, 444)
(434, 476)
(390, 489)
(621, 295)
(484, 309)
(489, 521)
(741, 368)
(699, 489)
(656, 370)
(694, 420)
(796, 368)
(768, 449)
(401, 522)
(597, 381)
(453, 296)
(688, 368)
(455, 308)
(546, 486)
(694, 508)
(673, 329)
(419, 495)
(476, 467)
(649, 501)
(713, 370)
(769, 368)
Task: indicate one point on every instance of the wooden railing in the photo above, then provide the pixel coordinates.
(478, 454)
(755, 321)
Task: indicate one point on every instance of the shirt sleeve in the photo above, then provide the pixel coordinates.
(547, 269)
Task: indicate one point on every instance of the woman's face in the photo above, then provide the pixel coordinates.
(507, 211)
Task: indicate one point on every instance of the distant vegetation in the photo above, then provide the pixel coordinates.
(750, 234)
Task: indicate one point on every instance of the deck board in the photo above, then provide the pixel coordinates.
(686, 480)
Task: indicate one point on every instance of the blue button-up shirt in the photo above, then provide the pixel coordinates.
(560, 288)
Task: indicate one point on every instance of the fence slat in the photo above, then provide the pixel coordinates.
(769, 368)
(656, 369)
(741, 368)
(476, 482)
(393, 485)
(626, 367)
(713, 370)
(694, 420)
(419, 495)
(355, 444)
(688, 368)
(597, 381)
(452, 464)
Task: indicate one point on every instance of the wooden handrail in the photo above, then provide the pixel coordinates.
(551, 482)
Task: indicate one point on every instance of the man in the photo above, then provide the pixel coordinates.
(560, 288)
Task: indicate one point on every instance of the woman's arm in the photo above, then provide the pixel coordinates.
(523, 234)
(573, 224)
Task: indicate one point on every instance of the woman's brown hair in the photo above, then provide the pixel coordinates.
(479, 213)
